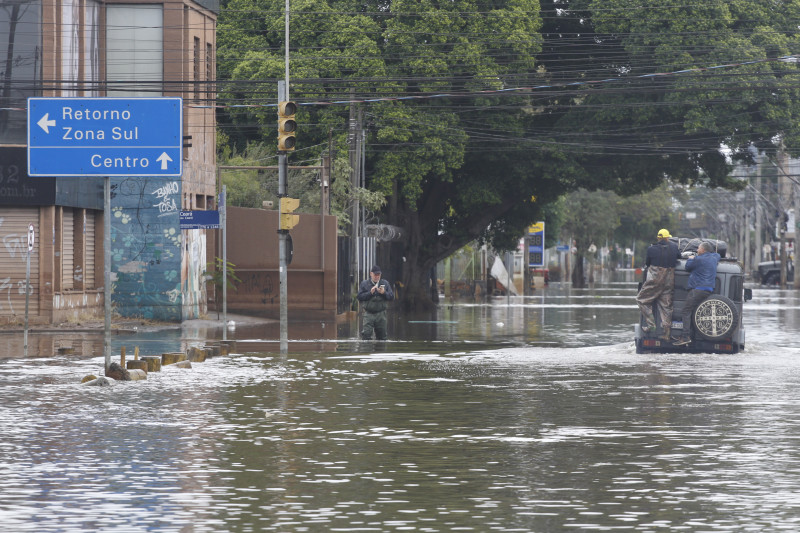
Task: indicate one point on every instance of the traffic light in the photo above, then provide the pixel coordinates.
(288, 220)
(287, 126)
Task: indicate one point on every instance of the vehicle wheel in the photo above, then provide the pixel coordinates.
(638, 343)
(716, 317)
(773, 279)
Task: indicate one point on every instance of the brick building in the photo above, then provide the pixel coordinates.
(87, 48)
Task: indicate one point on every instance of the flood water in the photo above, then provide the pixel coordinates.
(522, 414)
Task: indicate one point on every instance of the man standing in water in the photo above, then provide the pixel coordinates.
(703, 278)
(661, 260)
(374, 293)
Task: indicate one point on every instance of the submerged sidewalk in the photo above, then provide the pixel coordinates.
(133, 325)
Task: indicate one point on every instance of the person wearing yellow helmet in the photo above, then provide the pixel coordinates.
(657, 288)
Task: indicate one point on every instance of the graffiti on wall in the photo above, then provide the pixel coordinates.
(259, 283)
(16, 244)
(146, 247)
(192, 274)
(166, 195)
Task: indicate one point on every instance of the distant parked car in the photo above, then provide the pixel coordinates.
(769, 272)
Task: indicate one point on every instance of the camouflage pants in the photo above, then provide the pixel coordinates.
(657, 288)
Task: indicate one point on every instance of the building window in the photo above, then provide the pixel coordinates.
(134, 49)
(80, 47)
(91, 47)
(70, 46)
(20, 65)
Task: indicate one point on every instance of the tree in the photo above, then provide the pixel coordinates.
(221, 274)
(457, 160)
(591, 218)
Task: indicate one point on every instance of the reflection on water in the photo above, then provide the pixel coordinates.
(533, 414)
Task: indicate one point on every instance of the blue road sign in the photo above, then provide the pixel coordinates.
(199, 219)
(105, 136)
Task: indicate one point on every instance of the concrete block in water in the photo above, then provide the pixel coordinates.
(170, 358)
(183, 364)
(197, 355)
(153, 363)
(227, 346)
(136, 365)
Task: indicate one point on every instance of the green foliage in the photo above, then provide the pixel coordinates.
(214, 274)
(250, 187)
(590, 217)
(455, 168)
(603, 216)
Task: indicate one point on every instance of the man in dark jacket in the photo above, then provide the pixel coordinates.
(702, 279)
(374, 293)
(661, 260)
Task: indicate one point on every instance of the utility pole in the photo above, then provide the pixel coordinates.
(224, 216)
(283, 277)
(283, 234)
(794, 230)
(757, 210)
(783, 192)
(355, 160)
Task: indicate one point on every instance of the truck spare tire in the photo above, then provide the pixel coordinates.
(716, 317)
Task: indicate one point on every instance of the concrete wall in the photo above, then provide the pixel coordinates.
(253, 248)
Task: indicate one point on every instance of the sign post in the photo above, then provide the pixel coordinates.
(224, 220)
(105, 137)
(31, 239)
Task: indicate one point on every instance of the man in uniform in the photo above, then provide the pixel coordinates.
(661, 260)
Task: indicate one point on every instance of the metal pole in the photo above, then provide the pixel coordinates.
(286, 51)
(283, 278)
(510, 272)
(27, 297)
(224, 209)
(107, 269)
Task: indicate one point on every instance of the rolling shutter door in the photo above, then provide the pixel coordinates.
(13, 257)
(88, 227)
(68, 251)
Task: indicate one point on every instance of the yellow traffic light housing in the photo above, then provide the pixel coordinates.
(287, 126)
(288, 220)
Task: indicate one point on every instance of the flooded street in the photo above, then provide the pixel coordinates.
(523, 414)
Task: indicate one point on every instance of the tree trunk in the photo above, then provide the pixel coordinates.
(416, 278)
(578, 278)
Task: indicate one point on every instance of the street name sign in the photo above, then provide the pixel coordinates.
(105, 136)
(199, 219)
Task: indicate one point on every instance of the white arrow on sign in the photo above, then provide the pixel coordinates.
(44, 123)
(164, 159)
